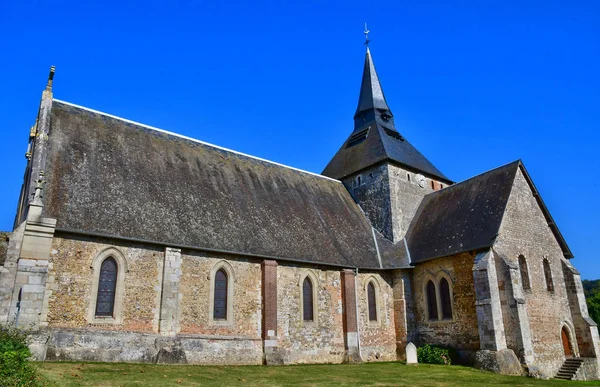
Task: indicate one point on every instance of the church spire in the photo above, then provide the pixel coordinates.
(372, 105)
(375, 138)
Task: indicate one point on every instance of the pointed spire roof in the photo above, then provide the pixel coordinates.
(371, 94)
(375, 138)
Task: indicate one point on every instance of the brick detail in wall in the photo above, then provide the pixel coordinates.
(269, 293)
(349, 300)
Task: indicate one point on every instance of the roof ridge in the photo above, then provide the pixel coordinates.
(194, 140)
(518, 162)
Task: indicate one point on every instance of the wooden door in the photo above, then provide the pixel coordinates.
(565, 341)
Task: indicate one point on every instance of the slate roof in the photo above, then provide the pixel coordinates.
(467, 216)
(379, 146)
(112, 177)
(383, 142)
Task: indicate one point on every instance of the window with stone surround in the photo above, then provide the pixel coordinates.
(372, 301)
(439, 303)
(432, 311)
(220, 296)
(548, 275)
(108, 278)
(105, 300)
(524, 272)
(307, 300)
(445, 299)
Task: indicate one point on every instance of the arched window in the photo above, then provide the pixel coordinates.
(372, 301)
(307, 300)
(445, 298)
(220, 296)
(431, 301)
(548, 275)
(107, 285)
(524, 272)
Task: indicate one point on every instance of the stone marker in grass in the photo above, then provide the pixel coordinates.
(411, 354)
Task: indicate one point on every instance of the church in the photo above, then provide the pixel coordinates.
(135, 244)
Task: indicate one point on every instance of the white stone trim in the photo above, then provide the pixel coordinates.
(122, 268)
(315, 288)
(223, 264)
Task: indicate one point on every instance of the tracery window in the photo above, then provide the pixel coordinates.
(548, 275)
(220, 295)
(107, 285)
(372, 301)
(524, 272)
(307, 300)
(431, 301)
(445, 299)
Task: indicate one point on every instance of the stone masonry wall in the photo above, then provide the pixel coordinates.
(377, 338)
(525, 231)
(509, 308)
(462, 331)
(373, 196)
(320, 341)
(3, 246)
(166, 311)
(70, 282)
(236, 340)
(406, 196)
(390, 196)
(195, 297)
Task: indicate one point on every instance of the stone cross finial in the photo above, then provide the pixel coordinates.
(37, 198)
(366, 32)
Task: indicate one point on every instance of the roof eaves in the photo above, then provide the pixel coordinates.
(197, 248)
(477, 248)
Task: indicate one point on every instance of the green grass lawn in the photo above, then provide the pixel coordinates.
(371, 374)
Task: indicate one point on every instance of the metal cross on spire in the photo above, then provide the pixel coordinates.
(366, 32)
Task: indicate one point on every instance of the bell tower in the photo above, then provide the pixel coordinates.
(384, 173)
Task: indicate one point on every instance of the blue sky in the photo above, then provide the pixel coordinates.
(472, 84)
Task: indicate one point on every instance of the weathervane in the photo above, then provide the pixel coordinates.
(366, 32)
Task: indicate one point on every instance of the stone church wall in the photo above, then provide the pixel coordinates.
(390, 196)
(525, 231)
(166, 310)
(70, 284)
(377, 338)
(136, 336)
(372, 193)
(319, 341)
(461, 332)
(406, 196)
(233, 342)
(196, 297)
(3, 246)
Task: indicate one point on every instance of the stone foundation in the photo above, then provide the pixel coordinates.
(501, 362)
(112, 346)
(589, 370)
